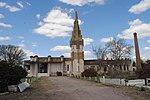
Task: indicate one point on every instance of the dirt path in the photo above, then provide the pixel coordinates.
(66, 88)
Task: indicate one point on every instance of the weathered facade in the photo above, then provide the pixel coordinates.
(48, 66)
(75, 65)
(104, 66)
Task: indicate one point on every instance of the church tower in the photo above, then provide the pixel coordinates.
(77, 53)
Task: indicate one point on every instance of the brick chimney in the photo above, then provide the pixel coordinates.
(138, 60)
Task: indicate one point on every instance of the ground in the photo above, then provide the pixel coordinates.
(66, 88)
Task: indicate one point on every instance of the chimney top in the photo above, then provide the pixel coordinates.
(135, 33)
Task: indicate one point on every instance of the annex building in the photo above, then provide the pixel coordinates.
(75, 65)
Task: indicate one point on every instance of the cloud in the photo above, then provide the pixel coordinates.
(61, 48)
(148, 41)
(145, 54)
(20, 37)
(4, 38)
(10, 8)
(28, 52)
(38, 16)
(22, 41)
(87, 41)
(2, 16)
(28, 3)
(82, 2)
(140, 7)
(137, 26)
(21, 45)
(87, 53)
(91, 58)
(5, 25)
(107, 39)
(34, 44)
(146, 48)
(66, 54)
(85, 12)
(71, 10)
(2, 4)
(58, 23)
(20, 3)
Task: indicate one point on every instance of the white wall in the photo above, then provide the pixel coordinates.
(56, 67)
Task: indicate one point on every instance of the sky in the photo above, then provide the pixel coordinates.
(44, 27)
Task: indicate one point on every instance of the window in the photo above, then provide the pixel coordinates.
(124, 67)
(105, 69)
(78, 67)
(133, 69)
(127, 68)
(42, 68)
(120, 67)
(67, 67)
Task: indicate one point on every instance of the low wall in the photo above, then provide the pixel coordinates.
(112, 81)
(139, 82)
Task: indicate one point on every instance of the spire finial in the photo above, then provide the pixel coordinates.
(76, 15)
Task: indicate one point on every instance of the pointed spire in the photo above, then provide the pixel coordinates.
(76, 33)
(76, 15)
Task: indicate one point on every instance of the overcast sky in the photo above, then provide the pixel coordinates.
(44, 27)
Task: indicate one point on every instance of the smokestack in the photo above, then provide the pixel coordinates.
(138, 60)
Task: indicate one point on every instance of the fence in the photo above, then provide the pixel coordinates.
(110, 81)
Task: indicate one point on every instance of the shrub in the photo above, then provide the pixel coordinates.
(10, 75)
(89, 73)
(59, 73)
(16, 74)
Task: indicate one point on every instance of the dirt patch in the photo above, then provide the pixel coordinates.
(134, 92)
(36, 91)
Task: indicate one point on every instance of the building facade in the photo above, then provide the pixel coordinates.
(75, 65)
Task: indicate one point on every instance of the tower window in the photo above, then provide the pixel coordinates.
(78, 67)
(67, 67)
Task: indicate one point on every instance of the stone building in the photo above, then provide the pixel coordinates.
(104, 66)
(75, 65)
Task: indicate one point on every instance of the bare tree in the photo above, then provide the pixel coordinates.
(101, 53)
(119, 48)
(12, 54)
